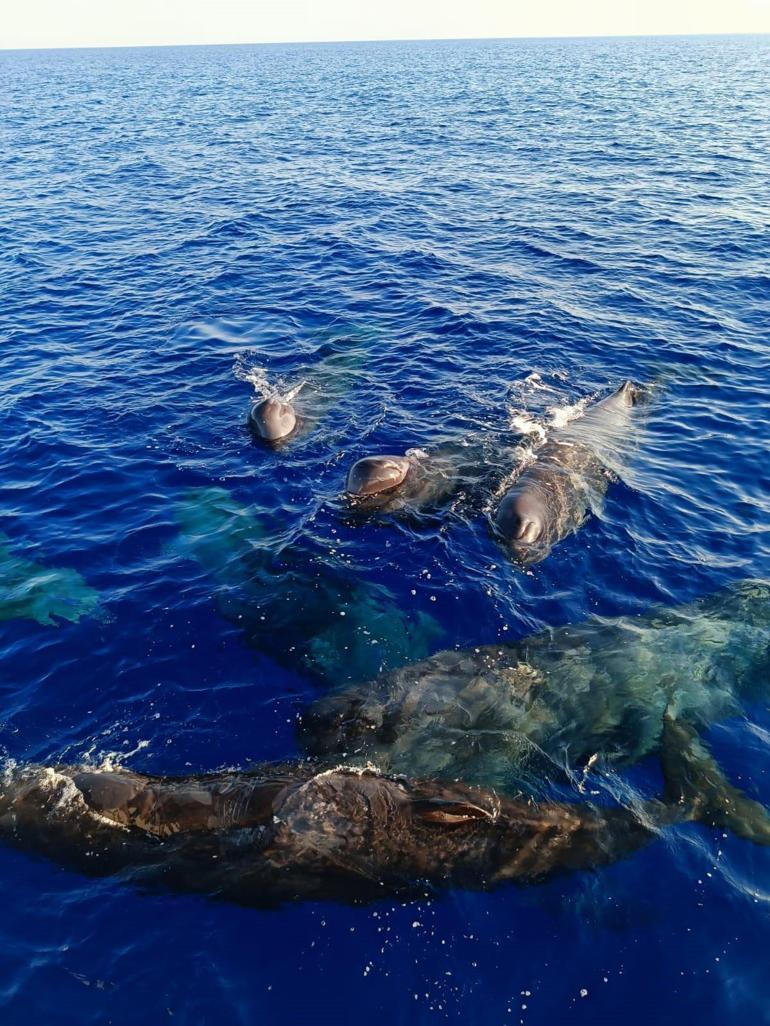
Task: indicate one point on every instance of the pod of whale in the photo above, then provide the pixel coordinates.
(551, 497)
(387, 820)
(292, 832)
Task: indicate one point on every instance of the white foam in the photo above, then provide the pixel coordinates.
(560, 416)
(293, 392)
(554, 417)
(526, 425)
(246, 370)
(114, 760)
(109, 760)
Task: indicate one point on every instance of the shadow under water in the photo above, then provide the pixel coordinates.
(32, 591)
(293, 606)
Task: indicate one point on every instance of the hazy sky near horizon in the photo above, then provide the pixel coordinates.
(52, 23)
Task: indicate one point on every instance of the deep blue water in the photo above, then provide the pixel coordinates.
(447, 219)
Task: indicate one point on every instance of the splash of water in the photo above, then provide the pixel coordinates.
(256, 376)
(560, 416)
(246, 370)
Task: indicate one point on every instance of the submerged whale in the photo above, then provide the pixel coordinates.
(288, 833)
(301, 609)
(550, 704)
(46, 594)
(551, 497)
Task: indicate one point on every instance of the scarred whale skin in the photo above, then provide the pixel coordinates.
(499, 714)
(294, 831)
(291, 832)
(552, 496)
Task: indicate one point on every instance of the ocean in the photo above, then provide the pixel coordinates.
(428, 242)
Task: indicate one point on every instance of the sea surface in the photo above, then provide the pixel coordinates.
(432, 241)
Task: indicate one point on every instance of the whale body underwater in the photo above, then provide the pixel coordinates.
(548, 705)
(292, 832)
(305, 612)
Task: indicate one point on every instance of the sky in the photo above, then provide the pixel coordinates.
(55, 23)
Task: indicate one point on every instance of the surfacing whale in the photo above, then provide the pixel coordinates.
(274, 420)
(551, 497)
(416, 480)
(283, 412)
(287, 833)
(553, 704)
(421, 481)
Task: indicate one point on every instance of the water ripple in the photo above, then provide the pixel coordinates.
(451, 220)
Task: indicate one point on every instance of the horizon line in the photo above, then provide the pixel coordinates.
(411, 39)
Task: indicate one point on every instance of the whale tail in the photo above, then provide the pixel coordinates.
(696, 785)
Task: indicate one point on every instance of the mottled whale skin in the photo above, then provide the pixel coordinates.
(543, 708)
(552, 496)
(286, 833)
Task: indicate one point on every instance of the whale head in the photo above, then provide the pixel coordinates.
(273, 420)
(521, 524)
(373, 477)
(369, 828)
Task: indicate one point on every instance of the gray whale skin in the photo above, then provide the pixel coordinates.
(273, 420)
(552, 497)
